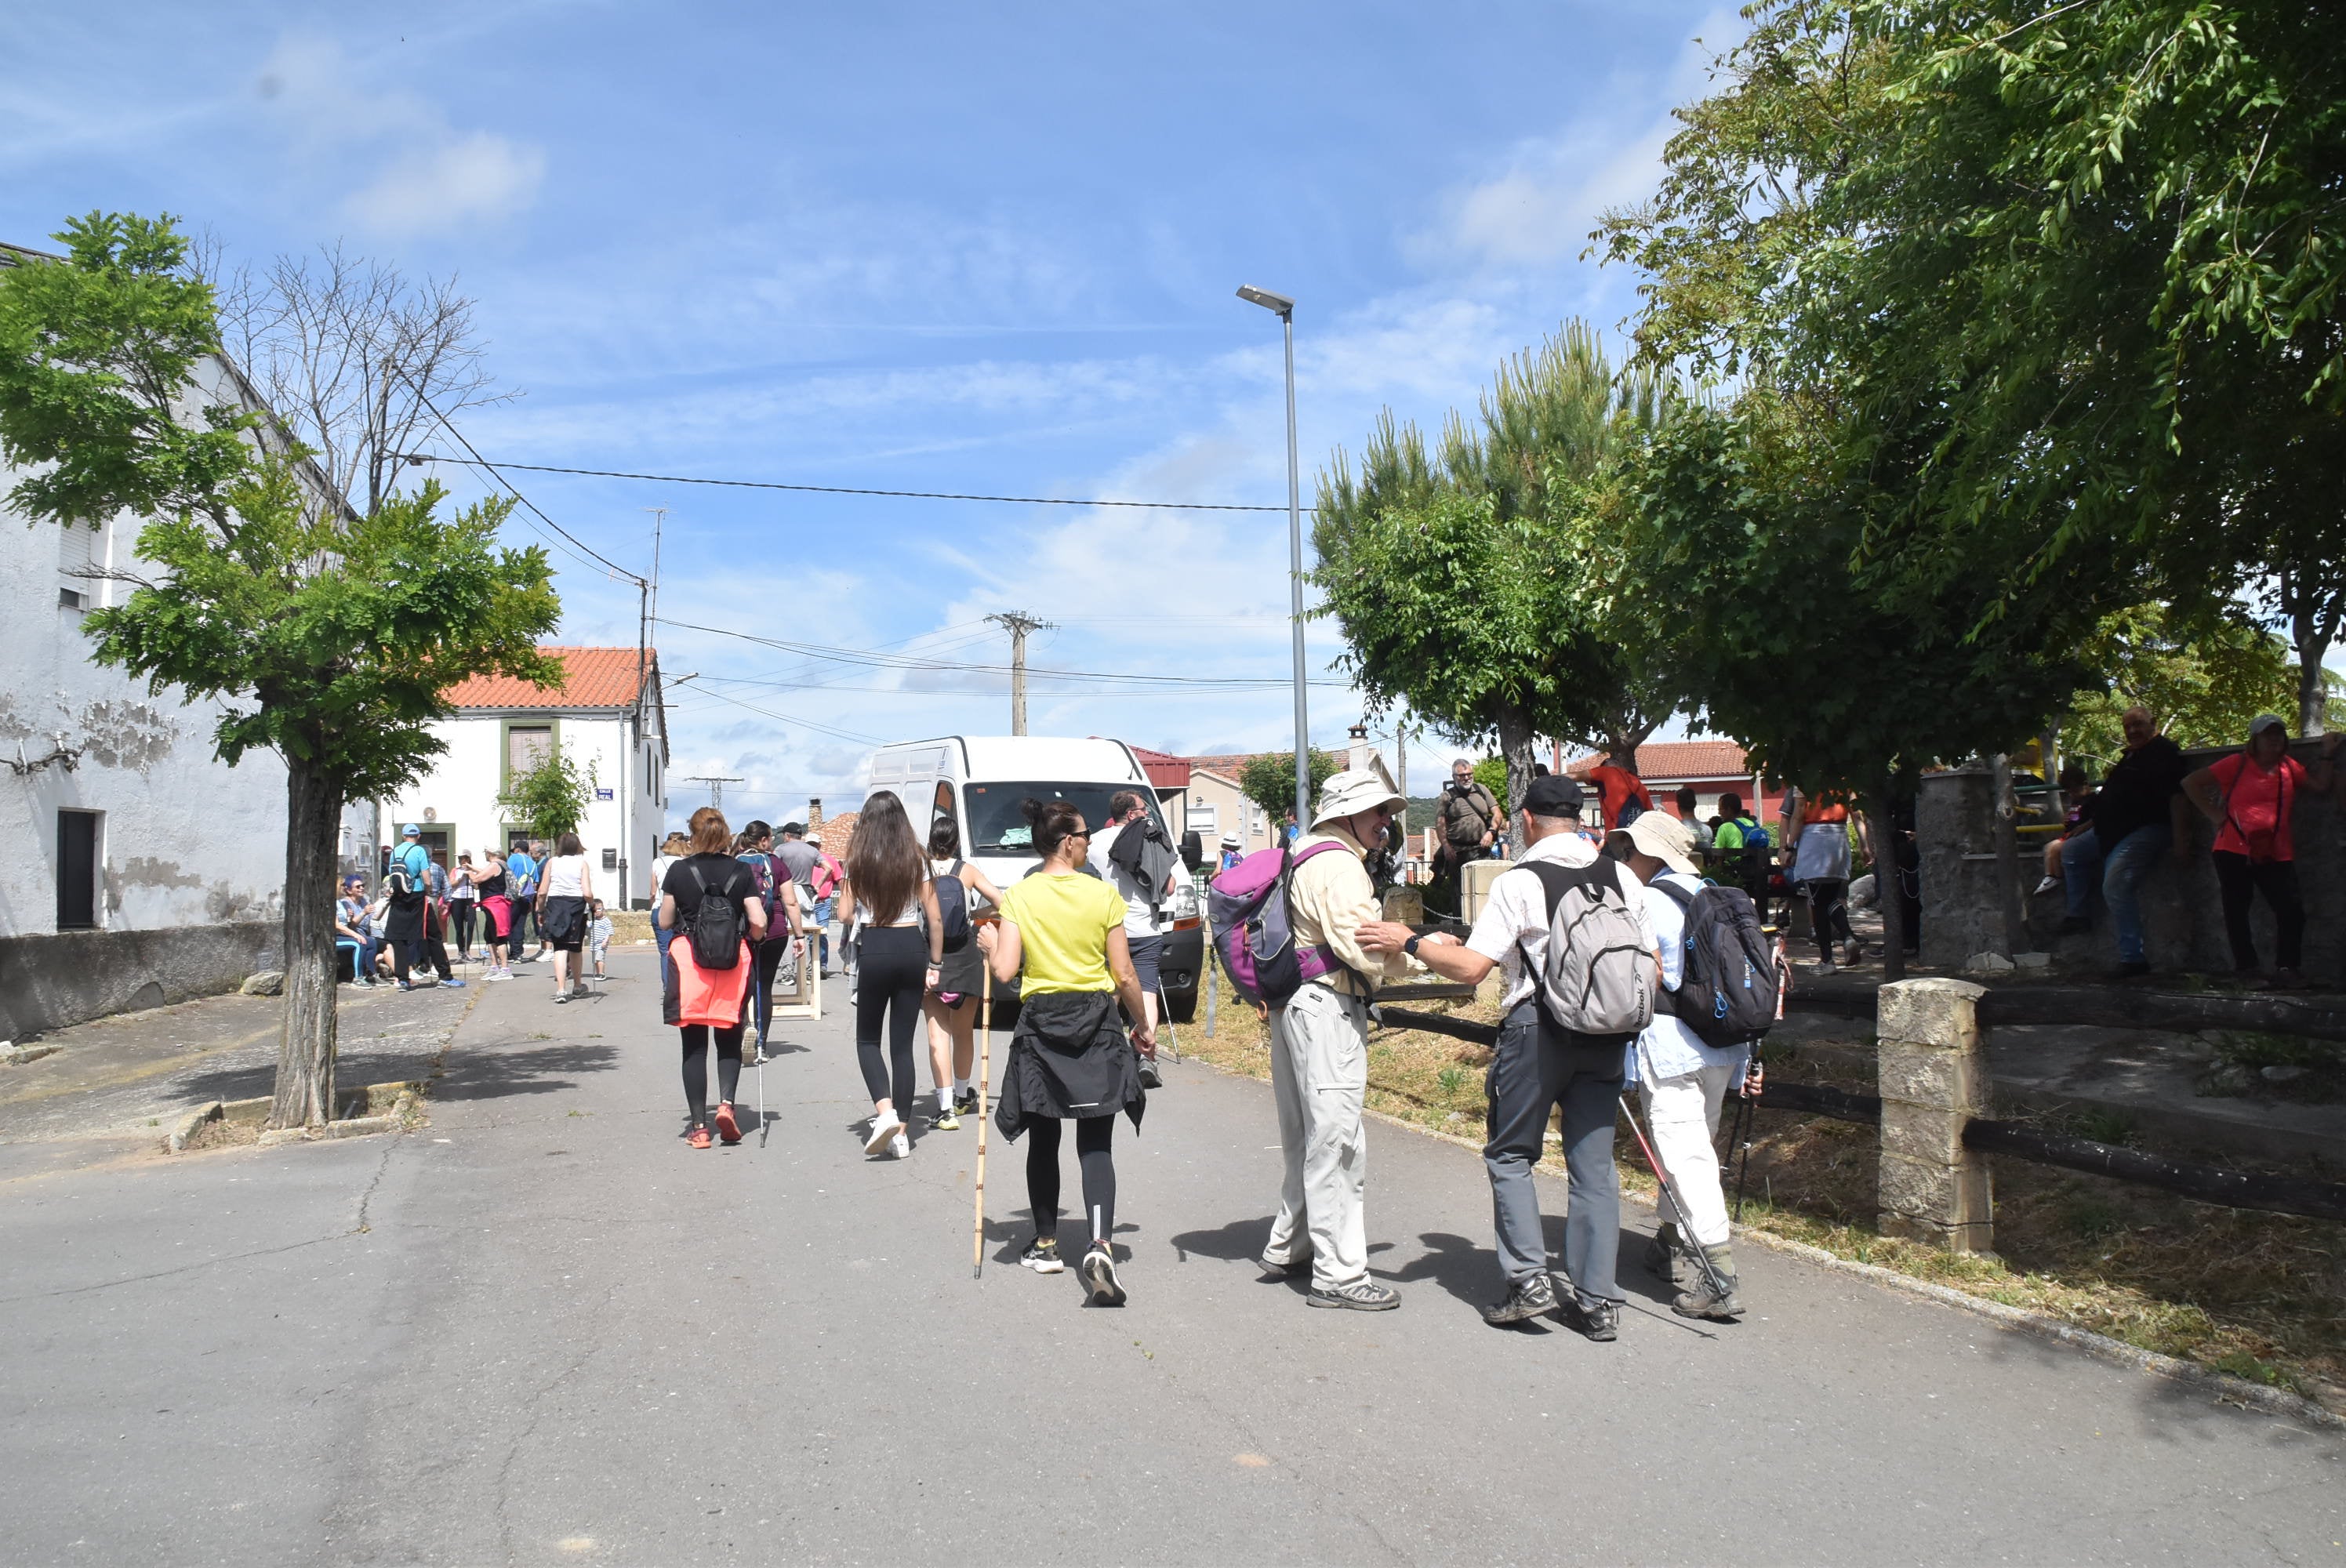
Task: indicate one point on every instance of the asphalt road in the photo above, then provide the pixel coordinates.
(542, 1329)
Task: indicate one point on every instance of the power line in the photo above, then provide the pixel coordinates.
(857, 656)
(841, 489)
(484, 463)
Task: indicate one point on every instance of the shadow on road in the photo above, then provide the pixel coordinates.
(352, 1071)
(526, 1070)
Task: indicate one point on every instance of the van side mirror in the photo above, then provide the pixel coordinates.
(1193, 851)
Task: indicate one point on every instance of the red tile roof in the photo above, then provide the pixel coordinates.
(1228, 764)
(1165, 770)
(1668, 761)
(592, 678)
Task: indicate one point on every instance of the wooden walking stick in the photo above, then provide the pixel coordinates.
(984, 1073)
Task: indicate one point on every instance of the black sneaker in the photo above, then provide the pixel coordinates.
(1099, 1274)
(966, 1102)
(1042, 1255)
(1149, 1078)
(1528, 1298)
(1598, 1319)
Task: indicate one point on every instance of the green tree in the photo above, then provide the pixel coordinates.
(327, 636)
(1463, 578)
(551, 799)
(1269, 780)
(2202, 682)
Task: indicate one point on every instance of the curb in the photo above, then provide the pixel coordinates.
(2222, 1387)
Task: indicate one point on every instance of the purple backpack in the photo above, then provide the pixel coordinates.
(1247, 906)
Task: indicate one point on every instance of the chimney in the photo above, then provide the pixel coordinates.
(814, 817)
(1359, 758)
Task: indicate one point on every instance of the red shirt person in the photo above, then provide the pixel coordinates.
(2250, 796)
(1616, 788)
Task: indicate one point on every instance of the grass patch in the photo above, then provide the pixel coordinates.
(2261, 1297)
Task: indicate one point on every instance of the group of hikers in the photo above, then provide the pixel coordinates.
(1084, 1046)
(419, 906)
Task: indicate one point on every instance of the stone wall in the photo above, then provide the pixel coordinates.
(2182, 914)
(53, 979)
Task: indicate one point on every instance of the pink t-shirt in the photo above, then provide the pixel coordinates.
(2257, 804)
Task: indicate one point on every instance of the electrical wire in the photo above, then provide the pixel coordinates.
(857, 656)
(845, 489)
(481, 462)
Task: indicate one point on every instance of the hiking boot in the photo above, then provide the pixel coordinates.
(1277, 1269)
(1099, 1277)
(1042, 1255)
(1361, 1295)
(1665, 1257)
(1701, 1299)
(1149, 1078)
(1527, 1298)
(1592, 1316)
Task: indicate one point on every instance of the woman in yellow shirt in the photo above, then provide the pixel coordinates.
(1062, 935)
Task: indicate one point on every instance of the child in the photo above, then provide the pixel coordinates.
(598, 933)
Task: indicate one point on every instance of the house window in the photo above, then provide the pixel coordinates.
(526, 746)
(1204, 821)
(77, 870)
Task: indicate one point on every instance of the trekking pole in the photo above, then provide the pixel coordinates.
(1165, 1011)
(1742, 1135)
(984, 1072)
(1710, 1273)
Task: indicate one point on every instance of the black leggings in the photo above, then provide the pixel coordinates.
(2239, 880)
(768, 955)
(460, 924)
(696, 1067)
(1092, 1135)
(1829, 913)
(891, 967)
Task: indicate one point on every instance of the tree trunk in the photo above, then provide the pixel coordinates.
(1882, 835)
(305, 1052)
(2311, 638)
(1515, 744)
(2008, 855)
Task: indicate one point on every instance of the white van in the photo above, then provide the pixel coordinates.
(980, 781)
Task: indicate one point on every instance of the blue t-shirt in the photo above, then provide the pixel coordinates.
(414, 860)
(522, 869)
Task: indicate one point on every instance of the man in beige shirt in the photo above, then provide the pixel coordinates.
(1319, 1048)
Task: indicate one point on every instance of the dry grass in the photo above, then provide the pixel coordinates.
(2259, 1296)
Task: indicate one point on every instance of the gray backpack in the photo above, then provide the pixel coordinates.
(1599, 976)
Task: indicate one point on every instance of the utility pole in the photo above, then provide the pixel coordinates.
(1018, 622)
(716, 787)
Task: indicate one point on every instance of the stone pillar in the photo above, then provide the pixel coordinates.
(1932, 1066)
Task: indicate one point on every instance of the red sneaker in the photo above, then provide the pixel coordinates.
(699, 1138)
(728, 1127)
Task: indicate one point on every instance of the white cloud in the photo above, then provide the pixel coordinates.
(415, 173)
(479, 178)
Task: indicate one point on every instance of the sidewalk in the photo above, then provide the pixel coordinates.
(116, 1084)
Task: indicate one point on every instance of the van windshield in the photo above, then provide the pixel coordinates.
(997, 822)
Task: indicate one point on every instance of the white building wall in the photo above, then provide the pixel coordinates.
(185, 839)
(461, 789)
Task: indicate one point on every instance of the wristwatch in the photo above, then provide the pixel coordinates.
(1410, 947)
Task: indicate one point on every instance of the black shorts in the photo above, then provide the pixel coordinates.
(564, 923)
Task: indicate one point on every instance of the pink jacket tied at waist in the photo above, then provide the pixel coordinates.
(710, 996)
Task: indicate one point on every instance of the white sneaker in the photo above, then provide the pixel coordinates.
(900, 1147)
(1825, 966)
(884, 1127)
(2047, 885)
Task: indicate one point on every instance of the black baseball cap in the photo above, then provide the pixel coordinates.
(1552, 795)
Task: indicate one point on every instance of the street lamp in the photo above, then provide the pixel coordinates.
(1285, 308)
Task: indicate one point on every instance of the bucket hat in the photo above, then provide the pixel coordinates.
(1351, 792)
(1663, 837)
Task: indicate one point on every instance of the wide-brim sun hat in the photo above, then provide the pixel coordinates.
(1229, 841)
(1351, 792)
(1663, 837)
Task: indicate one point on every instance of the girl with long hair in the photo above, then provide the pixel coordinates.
(1062, 934)
(564, 887)
(899, 951)
(952, 1002)
(707, 1002)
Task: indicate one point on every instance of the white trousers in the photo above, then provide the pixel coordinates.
(1319, 1077)
(1683, 1113)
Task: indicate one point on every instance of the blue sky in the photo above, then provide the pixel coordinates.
(978, 247)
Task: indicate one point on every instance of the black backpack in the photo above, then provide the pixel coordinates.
(1730, 978)
(715, 929)
(953, 908)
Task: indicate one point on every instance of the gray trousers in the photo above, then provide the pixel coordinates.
(1319, 1077)
(1536, 1066)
